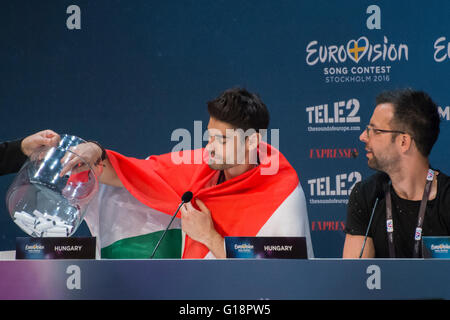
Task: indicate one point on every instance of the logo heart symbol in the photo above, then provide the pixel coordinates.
(356, 49)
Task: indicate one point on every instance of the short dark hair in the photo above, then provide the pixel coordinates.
(240, 108)
(416, 114)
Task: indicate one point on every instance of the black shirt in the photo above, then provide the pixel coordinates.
(404, 215)
(11, 157)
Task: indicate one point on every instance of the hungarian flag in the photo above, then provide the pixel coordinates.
(129, 221)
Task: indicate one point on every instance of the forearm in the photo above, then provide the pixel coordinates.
(216, 244)
(97, 157)
(353, 245)
(109, 175)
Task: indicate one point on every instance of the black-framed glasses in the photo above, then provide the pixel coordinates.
(378, 131)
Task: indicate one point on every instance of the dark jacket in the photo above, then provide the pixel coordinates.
(11, 157)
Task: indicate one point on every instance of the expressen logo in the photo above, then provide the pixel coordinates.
(333, 153)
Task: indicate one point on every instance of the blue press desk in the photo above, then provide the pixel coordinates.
(225, 279)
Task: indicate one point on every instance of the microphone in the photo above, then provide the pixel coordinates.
(187, 196)
(380, 195)
(368, 227)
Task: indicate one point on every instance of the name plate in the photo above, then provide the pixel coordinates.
(55, 248)
(266, 247)
(436, 247)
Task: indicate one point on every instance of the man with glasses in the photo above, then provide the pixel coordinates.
(389, 212)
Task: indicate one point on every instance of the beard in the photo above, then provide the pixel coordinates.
(382, 163)
(373, 163)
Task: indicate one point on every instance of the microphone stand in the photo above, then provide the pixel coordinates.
(368, 227)
(187, 196)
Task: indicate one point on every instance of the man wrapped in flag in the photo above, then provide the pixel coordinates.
(241, 187)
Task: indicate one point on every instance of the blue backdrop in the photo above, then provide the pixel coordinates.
(137, 70)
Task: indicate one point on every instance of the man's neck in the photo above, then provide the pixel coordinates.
(410, 179)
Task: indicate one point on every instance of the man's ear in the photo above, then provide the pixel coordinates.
(406, 142)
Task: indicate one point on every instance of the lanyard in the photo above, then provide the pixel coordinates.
(422, 208)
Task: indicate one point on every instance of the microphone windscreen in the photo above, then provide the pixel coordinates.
(187, 196)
